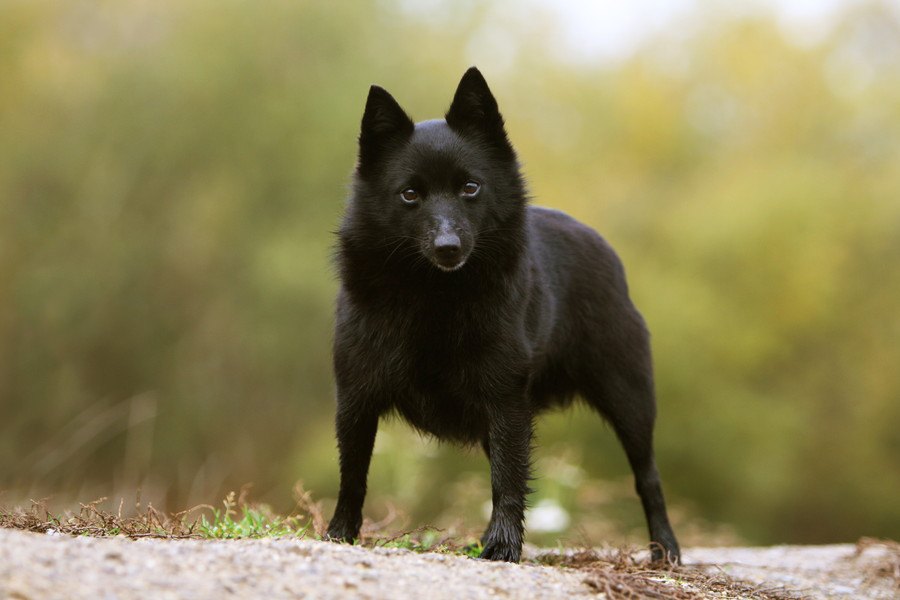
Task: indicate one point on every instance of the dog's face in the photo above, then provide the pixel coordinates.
(434, 188)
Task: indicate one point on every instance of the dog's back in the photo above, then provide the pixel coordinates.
(594, 327)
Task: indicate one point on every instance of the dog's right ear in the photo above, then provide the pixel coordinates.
(474, 109)
(383, 123)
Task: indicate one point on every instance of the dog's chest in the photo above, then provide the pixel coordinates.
(442, 371)
(442, 360)
(436, 363)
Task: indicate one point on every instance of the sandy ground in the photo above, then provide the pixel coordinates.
(37, 566)
(835, 571)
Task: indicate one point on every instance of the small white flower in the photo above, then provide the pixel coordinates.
(546, 517)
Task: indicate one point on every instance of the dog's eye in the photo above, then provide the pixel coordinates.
(471, 188)
(409, 195)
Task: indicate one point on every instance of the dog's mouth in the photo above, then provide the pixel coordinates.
(448, 266)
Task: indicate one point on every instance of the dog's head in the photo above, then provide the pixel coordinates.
(433, 189)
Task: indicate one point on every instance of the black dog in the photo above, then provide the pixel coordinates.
(467, 312)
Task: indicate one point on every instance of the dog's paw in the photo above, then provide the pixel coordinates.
(665, 554)
(500, 551)
(339, 532)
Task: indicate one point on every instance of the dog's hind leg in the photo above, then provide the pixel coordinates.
(628, 403)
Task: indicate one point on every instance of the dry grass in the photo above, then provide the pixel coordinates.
(94, 521)
(622, 574)
(236, 518)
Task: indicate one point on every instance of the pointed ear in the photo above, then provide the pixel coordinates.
(383, 124)
(474, 109)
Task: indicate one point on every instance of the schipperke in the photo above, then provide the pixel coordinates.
(467, 312)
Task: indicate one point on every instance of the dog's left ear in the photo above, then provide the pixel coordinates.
(474, 110)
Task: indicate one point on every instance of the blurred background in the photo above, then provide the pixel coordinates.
(171, 172)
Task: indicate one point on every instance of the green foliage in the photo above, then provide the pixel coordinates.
(248, 521)
(171, 173)
(427, 540)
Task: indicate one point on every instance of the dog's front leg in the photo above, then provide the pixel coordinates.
(509, 439)
(356, 436)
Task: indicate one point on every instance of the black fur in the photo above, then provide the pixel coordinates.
(468, 314)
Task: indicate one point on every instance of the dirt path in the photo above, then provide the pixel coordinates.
(34, 566)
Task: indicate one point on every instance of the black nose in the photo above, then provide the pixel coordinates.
(447, 247)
